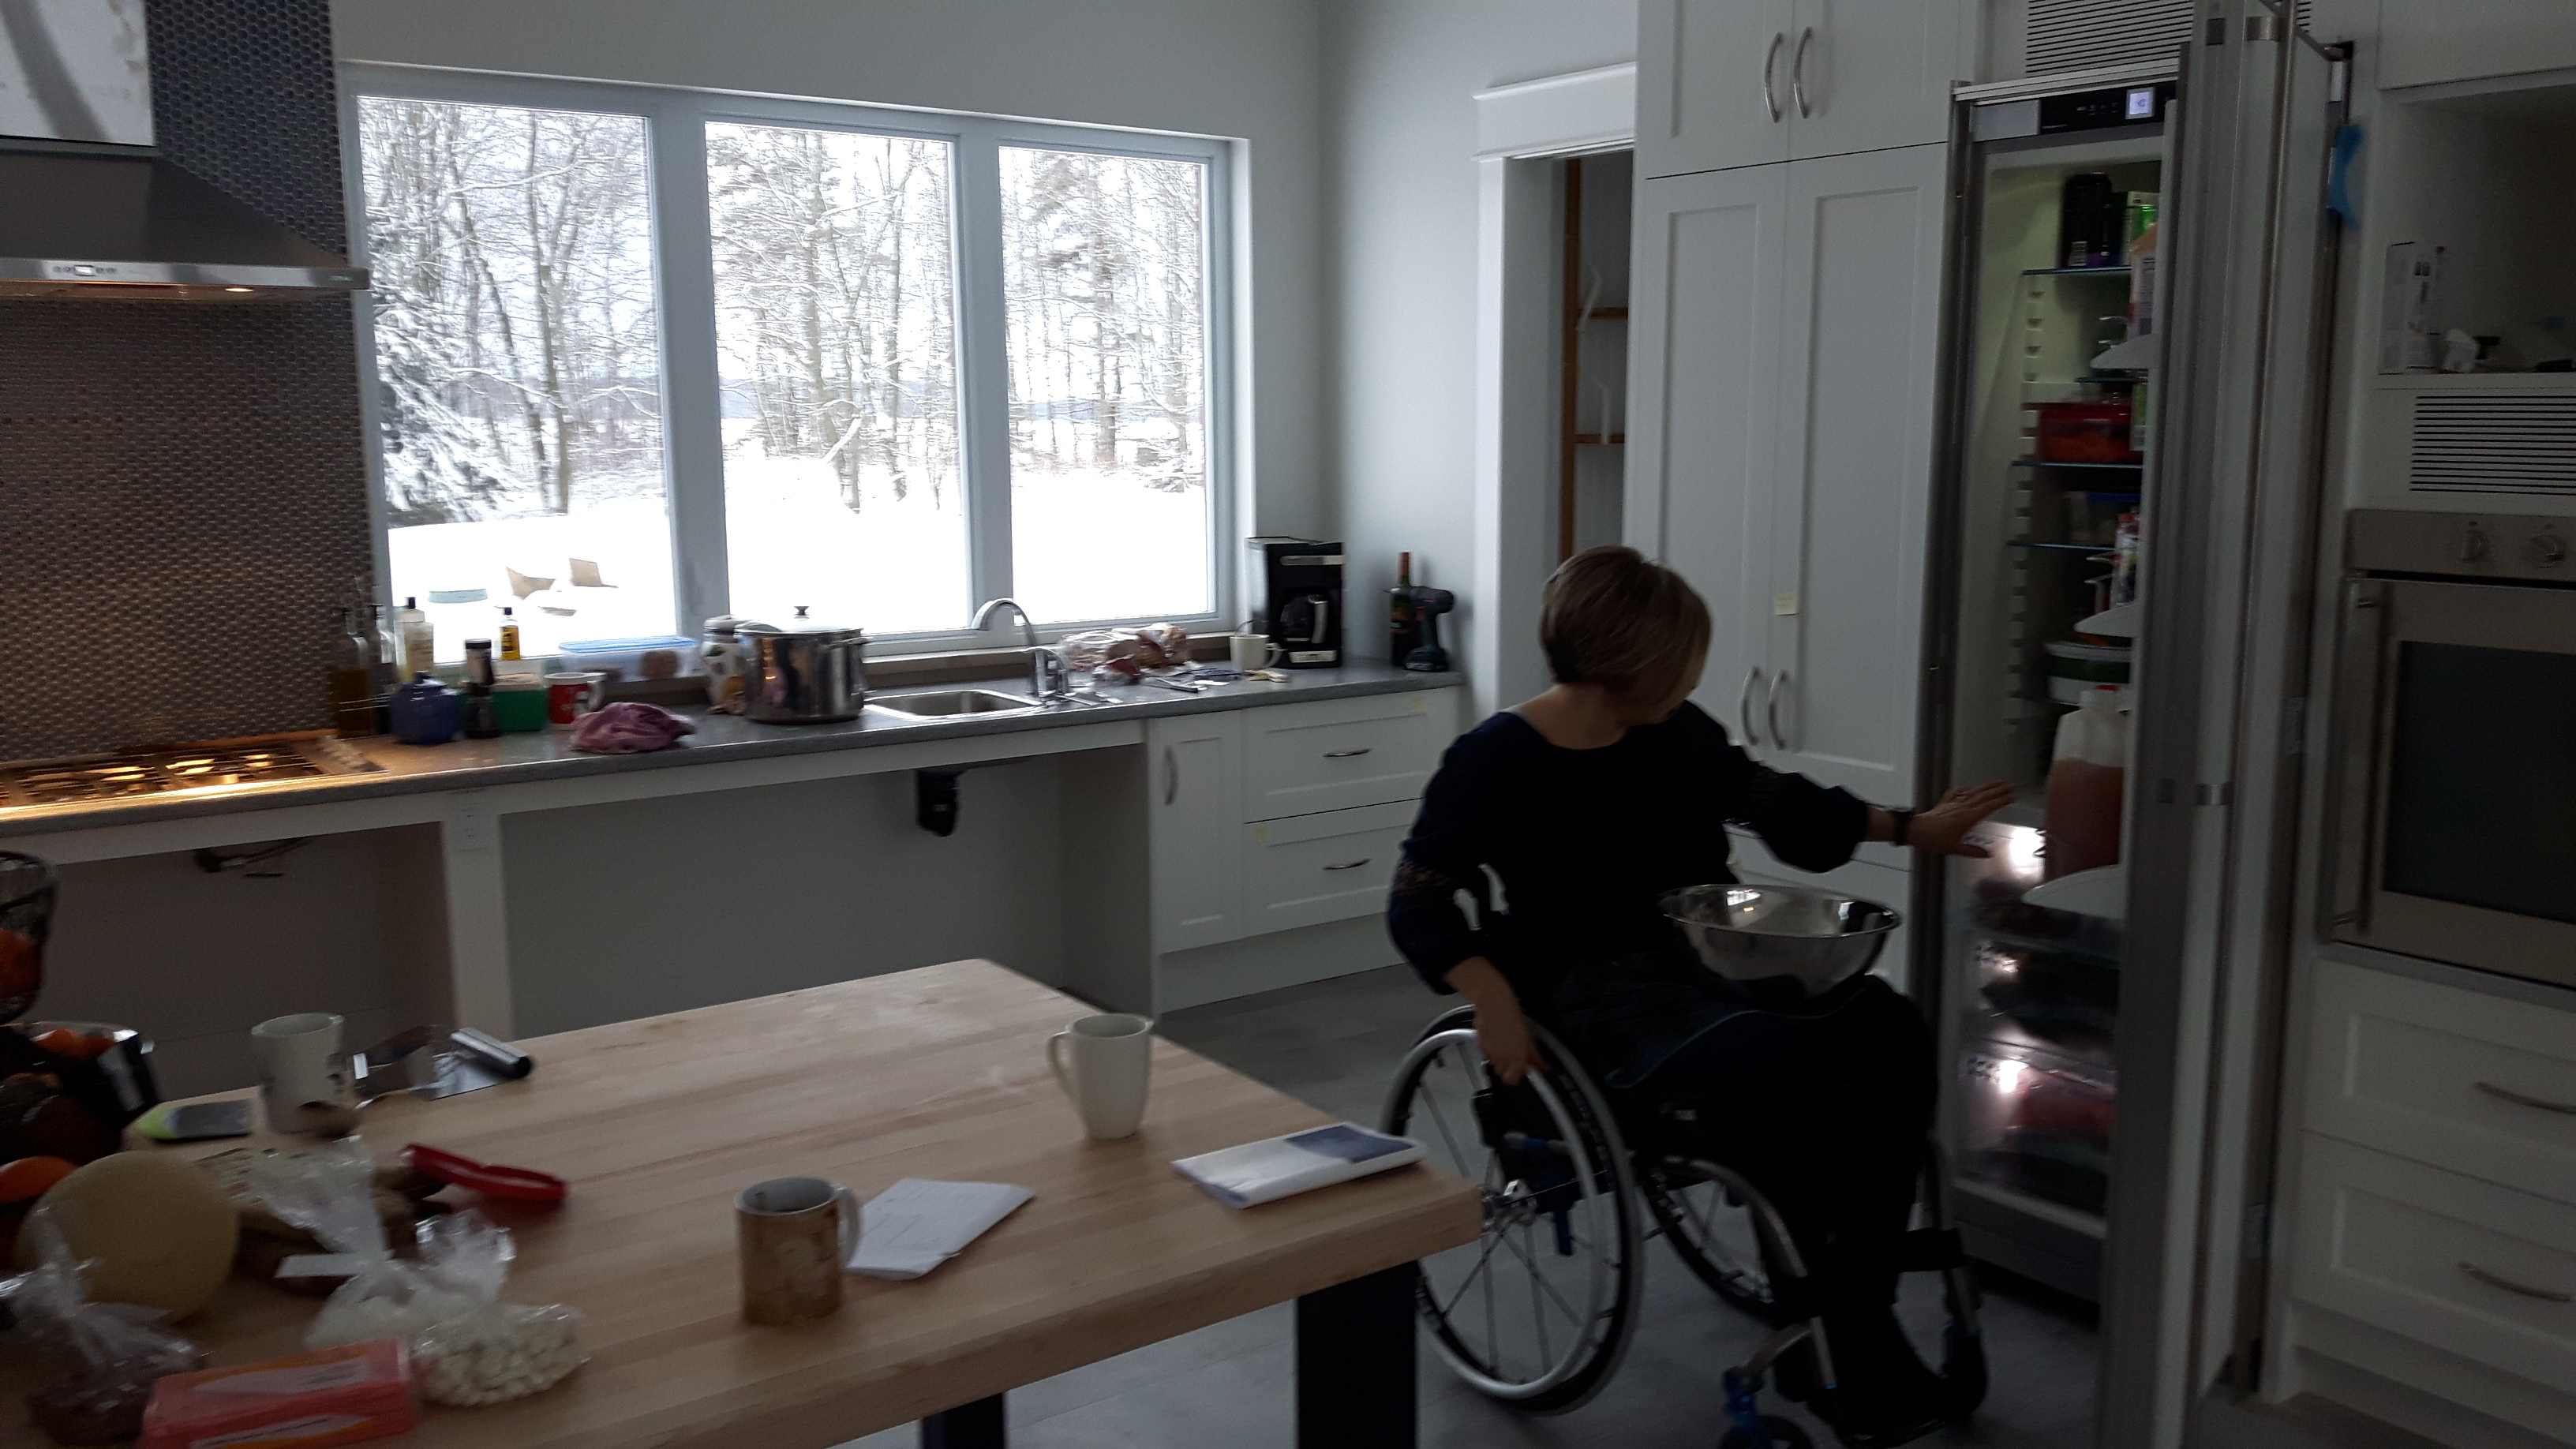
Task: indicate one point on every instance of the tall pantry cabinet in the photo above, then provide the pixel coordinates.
(1785, 337)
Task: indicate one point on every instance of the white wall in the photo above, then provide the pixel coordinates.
(1400, 262)
(1237, 68)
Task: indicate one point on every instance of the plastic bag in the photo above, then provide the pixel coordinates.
(1155, 646)
(107, 1354)
(468, 1347)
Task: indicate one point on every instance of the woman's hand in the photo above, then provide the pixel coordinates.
(1502, 1028)
(1942, 830)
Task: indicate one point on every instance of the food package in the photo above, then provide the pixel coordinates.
(150, 1229)
(1155, 646)
(102, 1357)
(468, 1347)
(628, 727)
(307, 1401)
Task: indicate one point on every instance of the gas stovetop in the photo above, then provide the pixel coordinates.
(96, 778)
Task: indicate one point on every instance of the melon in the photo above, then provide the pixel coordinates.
(159, 1229)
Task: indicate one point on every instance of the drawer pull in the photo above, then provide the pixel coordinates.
(2507, 1094)
(1350, 864)
(1345, 754)
(2492, 1280)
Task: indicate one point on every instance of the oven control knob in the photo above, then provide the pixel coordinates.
(2473, 545)
(2546, 550)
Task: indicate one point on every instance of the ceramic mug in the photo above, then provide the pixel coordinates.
(794, 1233)
(300, 1061)
(572, 694)
(1105, 1063)
(1250, 652)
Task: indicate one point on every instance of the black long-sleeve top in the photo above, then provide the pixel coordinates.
(1584, 842)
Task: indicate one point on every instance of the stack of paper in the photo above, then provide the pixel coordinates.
(916, 1225)
(1277, 1167)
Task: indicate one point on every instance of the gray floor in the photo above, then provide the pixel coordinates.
(1335, 1044)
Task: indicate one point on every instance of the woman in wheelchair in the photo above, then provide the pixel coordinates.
(1588, 804)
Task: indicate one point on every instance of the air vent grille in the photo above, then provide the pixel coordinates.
(2473, 442)
(2088, 34)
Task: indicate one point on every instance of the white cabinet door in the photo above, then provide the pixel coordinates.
(1712, 84)
(1195, 773)
(1852, 491)
(2424, 41)
(1866, 75)
(1703, 361)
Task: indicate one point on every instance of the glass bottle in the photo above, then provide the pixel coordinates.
(353, 679)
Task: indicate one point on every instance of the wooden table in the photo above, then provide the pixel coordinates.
(935, 1073)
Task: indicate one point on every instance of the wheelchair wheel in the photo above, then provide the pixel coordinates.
(1713, 1238)
(1537, 1312)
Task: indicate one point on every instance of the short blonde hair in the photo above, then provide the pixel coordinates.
(1609, 617)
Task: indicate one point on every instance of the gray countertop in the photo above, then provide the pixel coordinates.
(522, 758)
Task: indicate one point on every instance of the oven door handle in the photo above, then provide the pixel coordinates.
(2359, 702)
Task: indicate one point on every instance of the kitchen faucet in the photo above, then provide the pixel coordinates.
(1046, 667)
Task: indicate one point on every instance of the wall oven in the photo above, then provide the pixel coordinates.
(2456, 741)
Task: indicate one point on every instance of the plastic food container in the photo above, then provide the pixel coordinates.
(519, 700)
(2074, 668)
(662, 656)
(2083, 432)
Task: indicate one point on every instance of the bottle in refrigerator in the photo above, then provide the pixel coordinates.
(2085, 783)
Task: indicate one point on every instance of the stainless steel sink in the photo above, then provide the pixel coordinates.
(949, 703)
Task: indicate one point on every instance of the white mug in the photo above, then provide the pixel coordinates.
(300, 1061)
(1251, 651)
(1112, 1064)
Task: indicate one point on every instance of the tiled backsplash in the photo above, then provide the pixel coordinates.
(183, 488)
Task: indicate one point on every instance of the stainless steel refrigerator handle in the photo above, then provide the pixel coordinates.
(1171, 776)
(2498, 1280)
(1771, 710)
(2507, 1094)
(1798, 71)
(2355, 788)
(1771, 64)
(1744, 705)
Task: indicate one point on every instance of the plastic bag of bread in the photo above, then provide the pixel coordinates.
(1155, 646)
(101, 1358)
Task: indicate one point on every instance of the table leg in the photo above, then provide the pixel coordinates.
(1355, 1363)
(968, 1426)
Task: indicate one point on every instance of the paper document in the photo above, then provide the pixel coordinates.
(1278, 1167)
(917, 1224)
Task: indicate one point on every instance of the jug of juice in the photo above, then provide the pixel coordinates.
(2084, 786)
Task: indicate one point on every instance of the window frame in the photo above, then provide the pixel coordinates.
(675, 122)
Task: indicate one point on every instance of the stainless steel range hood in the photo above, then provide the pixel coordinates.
(105, 222)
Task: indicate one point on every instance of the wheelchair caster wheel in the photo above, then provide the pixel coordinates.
(1784, 1435)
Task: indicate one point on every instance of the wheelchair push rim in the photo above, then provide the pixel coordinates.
(1537, 1312)
(1713, 1237)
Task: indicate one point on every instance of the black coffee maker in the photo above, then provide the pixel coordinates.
(1300, 599)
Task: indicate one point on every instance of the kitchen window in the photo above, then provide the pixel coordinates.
(640, 357)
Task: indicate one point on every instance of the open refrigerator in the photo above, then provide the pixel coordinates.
(2048, 487)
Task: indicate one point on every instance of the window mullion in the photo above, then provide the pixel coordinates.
(692, 401)
(984, 392)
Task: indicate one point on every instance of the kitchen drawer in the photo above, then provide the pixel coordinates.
(1299, 759)
(1317, 868)
(2426, 1254)
(2479, 1084)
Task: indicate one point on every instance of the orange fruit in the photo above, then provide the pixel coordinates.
(29, 1177)
(22, 965)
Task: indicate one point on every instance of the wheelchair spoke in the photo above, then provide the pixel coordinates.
(1483, 1260)
(1538, 1318)
(1431, 1105)
(1538, 1281)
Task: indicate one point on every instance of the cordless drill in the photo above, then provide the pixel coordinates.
(1428, 605)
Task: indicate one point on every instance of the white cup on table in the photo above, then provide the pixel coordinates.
(300, 1061)
(1105, 1064)
(1251, 652)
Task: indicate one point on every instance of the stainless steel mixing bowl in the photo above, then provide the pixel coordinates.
(1752, 932)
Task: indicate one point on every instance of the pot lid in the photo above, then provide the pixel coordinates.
(800, 625)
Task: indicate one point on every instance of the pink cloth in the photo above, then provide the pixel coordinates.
(629, 728)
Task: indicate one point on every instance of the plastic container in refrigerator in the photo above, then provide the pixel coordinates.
(2038, 1122)
(2083, 432)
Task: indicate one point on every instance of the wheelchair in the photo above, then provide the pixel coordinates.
(1537, 1313)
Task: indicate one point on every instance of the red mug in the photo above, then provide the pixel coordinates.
(571, 695)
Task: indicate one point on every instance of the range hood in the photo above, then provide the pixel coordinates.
(103, 222)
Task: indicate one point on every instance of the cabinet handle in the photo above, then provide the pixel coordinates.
(1798, 71)
(1744, 705)
(1346, 754)
(1171, 776)
(1350, 864)
(1771, 63)
(2498, 1280)
(2507, 1094)
(1771, 710)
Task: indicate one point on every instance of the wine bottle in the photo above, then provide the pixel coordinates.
(1404, 627)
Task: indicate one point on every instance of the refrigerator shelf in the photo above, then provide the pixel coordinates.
(2075, 271)
(2049, 463)
(2090, 1225)
(2102, 549)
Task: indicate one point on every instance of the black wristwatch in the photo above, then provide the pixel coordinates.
(1904, 822)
